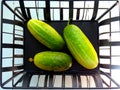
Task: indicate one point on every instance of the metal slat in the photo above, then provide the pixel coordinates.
(12, 46)
(96, 4)
(104, 42)
(107, 21)
(46, 81)
(115, 43)
(19, 39)
(20, 80)
(108, 66)
(63, 81)
(107, 43)
(103, 56)
(14, 22)
(74, 81)
(51, 81)
(78, 14)
(47, 11)
(98, 80)
(26, 80)
(12, 10)
(61, 13)
(107, 11)
(11, 78)
(71, 9)
(79, 81)
(5, 69)
(107, 75)
(28, 12)
(18, 56)
(22, 7)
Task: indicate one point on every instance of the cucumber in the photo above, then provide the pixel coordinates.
(80, 46)
(45, 34)
(53, 61)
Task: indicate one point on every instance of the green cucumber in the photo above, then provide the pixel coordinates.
(53, 61)
(45, 34)
(80, 46)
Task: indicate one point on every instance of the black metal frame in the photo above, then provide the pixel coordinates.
(26, 77)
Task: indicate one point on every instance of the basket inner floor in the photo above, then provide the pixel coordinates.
(32, 46)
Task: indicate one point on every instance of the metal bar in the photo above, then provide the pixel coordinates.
(109, 32)
(104, 56)
(110, 78)
(15, 56)
(105, 83)
(107, 11)
(107, 21)
(28, 12)
(46, 81)
(22, 7)
(63, 81)
(51, 81)
(11, 78)
(26, 80)
(13, 11)
(65, 8)
(5, 69)
(20, 80)
(79, 81)
(12, 46)
(36, 6)
(1, 40)
(16, 22)
(71, 9)
(109, 66)
(115, 43)
(110, 45)
(47, 11)
(78, 14)
(19, 39)
(74, 81)
(18, 56)
(61, 13)
(6, 58)
(96, 3)
(15, 34)
(88, 81)
(104, 42)
(18, 11)
(98, 80)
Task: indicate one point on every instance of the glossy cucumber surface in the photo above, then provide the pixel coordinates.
(80, 46)
(53, 61)
(45, 34)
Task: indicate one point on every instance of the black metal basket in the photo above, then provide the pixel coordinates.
(99, 20)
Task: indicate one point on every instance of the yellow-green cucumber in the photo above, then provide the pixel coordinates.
(80, 46)
(45, 34)
(53, 61)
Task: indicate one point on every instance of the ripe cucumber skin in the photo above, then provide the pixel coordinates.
(80, 46)
(45, 34)
(53, 61)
